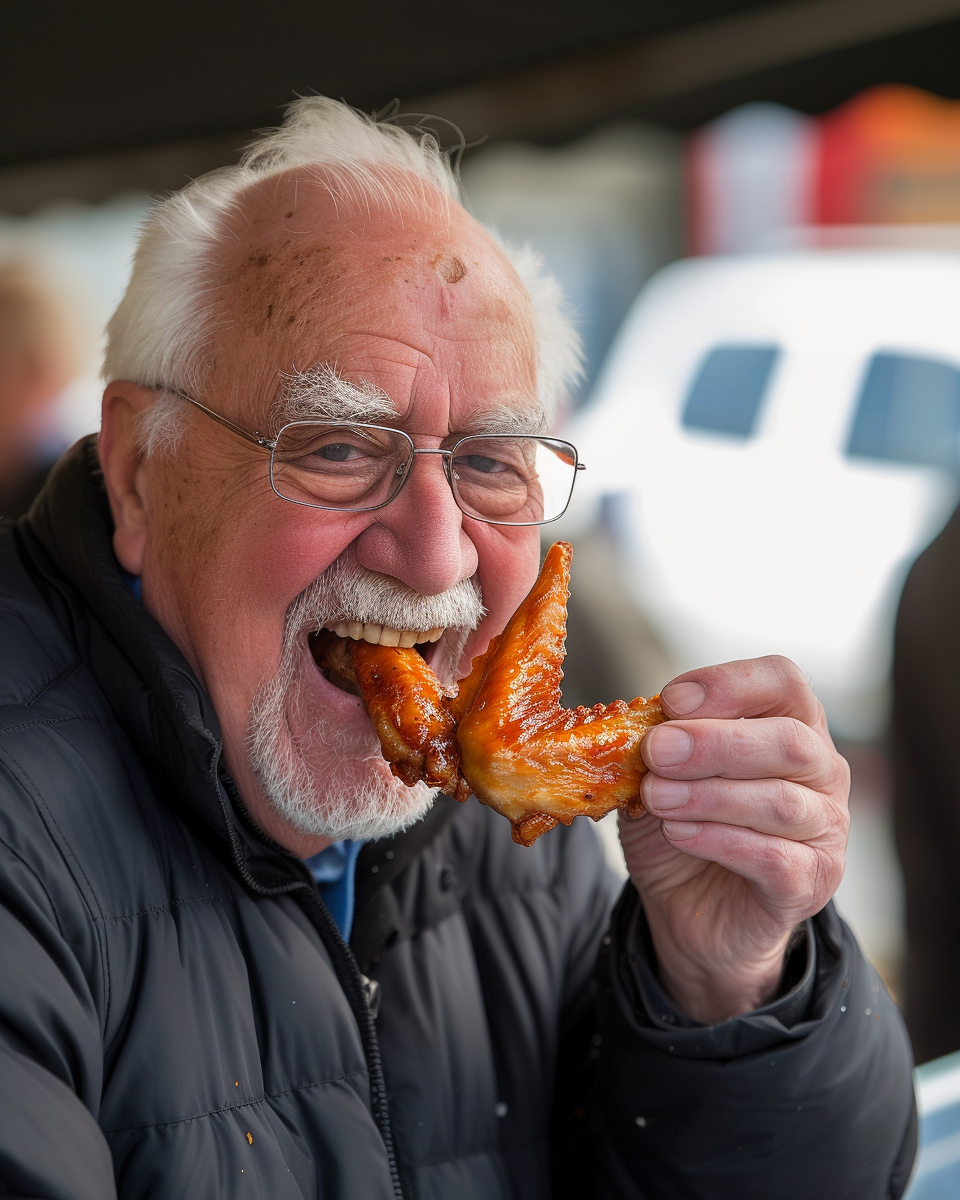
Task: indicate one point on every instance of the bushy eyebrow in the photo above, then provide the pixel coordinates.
(505, 419)
(319, 394)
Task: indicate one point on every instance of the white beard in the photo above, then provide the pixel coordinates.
(330, 782)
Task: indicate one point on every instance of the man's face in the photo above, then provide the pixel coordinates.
(424, 307)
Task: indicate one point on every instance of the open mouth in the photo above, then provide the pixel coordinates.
(331, 651)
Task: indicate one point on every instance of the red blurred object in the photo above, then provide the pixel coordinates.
(889, 156)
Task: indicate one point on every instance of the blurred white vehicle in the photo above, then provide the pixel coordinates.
(779, 437)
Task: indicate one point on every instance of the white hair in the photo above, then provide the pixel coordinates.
(164, 327)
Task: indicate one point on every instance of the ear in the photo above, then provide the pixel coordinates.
(125, 469)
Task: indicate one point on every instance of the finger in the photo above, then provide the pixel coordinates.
(765, 748)
(756, 687)
(790, 874)
(777, 807)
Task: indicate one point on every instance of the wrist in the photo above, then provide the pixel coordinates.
(714, 990)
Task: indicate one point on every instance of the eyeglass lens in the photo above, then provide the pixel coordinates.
(504, 479)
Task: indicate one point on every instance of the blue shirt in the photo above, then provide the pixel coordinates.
(335, 869)
(133, 583)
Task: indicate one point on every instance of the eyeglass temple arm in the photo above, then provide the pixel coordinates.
(257, 438)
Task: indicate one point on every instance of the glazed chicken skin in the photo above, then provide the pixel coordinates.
(524, 755)
(412, 716)
(504, 736)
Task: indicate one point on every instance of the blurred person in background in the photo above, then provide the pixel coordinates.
(925, 737)
(240, 957)
(39, 356)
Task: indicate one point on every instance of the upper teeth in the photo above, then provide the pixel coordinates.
(382, 635)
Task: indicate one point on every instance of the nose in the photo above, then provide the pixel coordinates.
(419, 537)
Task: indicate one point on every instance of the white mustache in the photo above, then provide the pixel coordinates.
(348, 592)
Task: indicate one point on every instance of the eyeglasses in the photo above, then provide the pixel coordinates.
(499, 478)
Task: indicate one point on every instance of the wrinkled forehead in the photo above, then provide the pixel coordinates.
(309, 272)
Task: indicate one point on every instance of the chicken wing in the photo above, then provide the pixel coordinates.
(411, 715)
(537, 763)
(504, 736)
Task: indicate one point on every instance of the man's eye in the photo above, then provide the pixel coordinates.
(337, 452)
(480, 463)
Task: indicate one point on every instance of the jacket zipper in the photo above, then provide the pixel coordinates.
(348, 975)
(360, 997)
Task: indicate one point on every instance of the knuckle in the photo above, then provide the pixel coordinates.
(795, 689)
(782, 868)
(788, 671)
(794, 744)
(829, 872)
(791, 806)
(840, 784)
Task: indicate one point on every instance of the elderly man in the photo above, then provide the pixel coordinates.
(195, 1000)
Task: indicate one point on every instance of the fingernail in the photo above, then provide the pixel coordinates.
(684, 698)
(676, 831)
(668, 746)
(666, 793)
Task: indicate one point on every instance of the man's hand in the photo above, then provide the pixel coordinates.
(745, 831)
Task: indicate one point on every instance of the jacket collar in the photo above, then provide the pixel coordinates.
(151, 688)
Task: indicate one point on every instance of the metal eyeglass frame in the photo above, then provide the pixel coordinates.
(270, 444)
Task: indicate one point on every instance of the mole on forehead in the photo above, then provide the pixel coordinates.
(448, 266)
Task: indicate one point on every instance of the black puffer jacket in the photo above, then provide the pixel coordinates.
(179, 1017)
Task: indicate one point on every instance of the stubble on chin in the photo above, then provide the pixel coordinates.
(325, 781)
(321, 778)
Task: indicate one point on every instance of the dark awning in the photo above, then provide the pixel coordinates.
(81, 80)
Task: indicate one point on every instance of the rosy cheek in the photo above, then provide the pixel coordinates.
(508, 562)
(292, 549)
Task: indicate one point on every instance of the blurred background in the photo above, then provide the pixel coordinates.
(754, 210)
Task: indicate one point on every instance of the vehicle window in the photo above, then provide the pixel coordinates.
(909, 412)
(727, 390)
